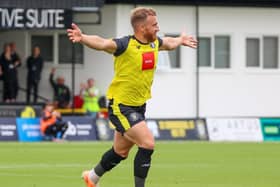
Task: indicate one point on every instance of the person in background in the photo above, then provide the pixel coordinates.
(34, 68)
(15, 55)
(51, 125)
(8, 71)
(17, 60)
(61, 91)
(90, 93)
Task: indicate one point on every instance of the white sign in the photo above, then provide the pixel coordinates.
(152, 125)
(78, 129)
(33, 18)
(234, 129)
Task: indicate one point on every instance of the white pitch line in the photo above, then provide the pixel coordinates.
(40, 165)
(32, 175)
(79, 165)
(120, 178)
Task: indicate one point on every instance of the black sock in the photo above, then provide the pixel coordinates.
(139, 182)
(142, 163)
(109, 160)
(99, 170)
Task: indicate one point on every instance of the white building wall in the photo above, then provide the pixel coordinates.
(99, 65)
(239, 91)
(173, 90)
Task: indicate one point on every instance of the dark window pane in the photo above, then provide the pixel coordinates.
(46, 45)
(270, 52)
(204, 51)
(174, 55)
(66, 50)
(252, 52)
(222, 52)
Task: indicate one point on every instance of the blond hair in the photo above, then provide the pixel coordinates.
(140, 14)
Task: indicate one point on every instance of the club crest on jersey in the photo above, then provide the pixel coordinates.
(153, 45)
(133, 116)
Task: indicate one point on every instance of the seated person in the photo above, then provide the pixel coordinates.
(51, 123)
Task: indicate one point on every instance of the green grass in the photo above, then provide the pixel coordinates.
(175, 164)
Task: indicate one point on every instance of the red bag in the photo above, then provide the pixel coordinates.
(78, 101)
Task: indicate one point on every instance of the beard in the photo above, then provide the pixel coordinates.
(150, 37)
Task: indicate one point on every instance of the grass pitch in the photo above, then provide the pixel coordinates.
(175, 164)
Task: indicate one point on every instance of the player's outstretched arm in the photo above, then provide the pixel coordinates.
(170, 43)
(93, 41)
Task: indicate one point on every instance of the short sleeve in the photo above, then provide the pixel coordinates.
(159, 42)
(122, 44)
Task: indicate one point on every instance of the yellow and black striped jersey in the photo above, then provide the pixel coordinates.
(134, 68)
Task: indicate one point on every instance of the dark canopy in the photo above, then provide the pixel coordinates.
(64, 4)
(250, 3)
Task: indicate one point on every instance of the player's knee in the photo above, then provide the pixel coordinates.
(148, 144)
(110, 159)
(122, 153)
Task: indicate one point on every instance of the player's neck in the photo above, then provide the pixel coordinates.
(140, 38)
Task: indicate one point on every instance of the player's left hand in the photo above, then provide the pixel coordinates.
(75, 33)
(188, 40)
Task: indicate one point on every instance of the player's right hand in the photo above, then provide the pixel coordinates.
(74, 34)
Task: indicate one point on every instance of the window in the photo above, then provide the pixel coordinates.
(56, 47)
(253, 52)
(204, 52)
(66, 50)
(222, 52)
(270, 52)
(163, 61)
(174, 55)
(219, 57)
(262, 52)
(46, 45)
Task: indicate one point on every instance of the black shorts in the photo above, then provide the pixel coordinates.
(124, 117)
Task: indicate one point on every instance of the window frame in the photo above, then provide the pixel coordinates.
(41, 33)
(178, 50)
(55, 34)
(69, 63)
(165, 67)
(211, 68)
(278, 65)
(214, 52)
(261, 55)
(211, 52)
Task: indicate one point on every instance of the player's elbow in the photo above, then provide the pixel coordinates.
(108, 47)
(170, 47)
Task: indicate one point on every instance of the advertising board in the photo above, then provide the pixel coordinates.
(234, 129)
